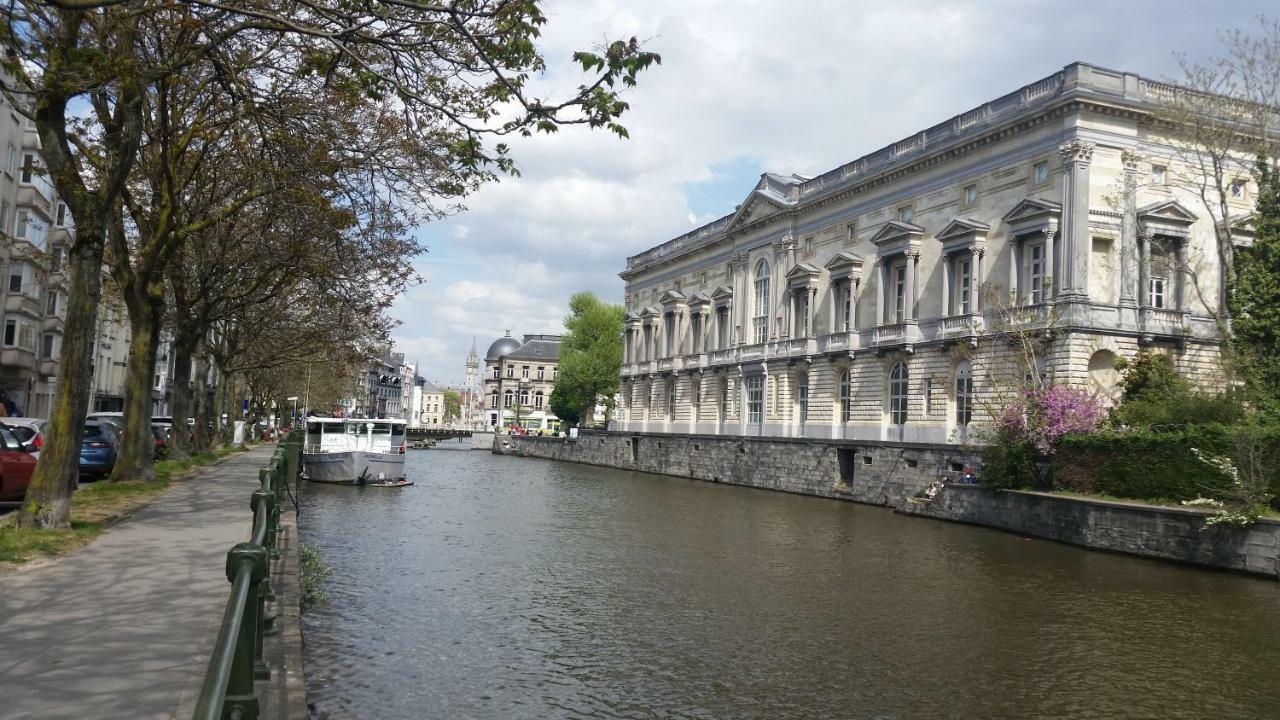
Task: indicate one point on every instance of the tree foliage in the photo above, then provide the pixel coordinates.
(452, 405)
(1255, 299)
(590, 359)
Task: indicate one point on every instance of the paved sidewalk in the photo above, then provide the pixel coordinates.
(123, 627)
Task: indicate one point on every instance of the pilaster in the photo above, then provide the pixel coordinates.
(1076, 156)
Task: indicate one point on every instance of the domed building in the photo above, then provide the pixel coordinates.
(519, 376)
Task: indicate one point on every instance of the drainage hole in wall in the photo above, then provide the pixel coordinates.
(912, 463)
(697, 447)
(957, 467)
(866, 459)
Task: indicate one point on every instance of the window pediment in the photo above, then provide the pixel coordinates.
(722, 294)
(1167, 218)
(844, 265)
(672, 297)
(803, 274)
(649, 312)
(699, 300)
(1242, 230)
(896, 236)
(964, 234)
(1033, 213)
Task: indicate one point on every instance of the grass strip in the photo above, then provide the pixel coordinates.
(94, 508)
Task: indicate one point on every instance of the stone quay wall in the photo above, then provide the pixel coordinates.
(876, 472)
(1156, 532)
(892, 474)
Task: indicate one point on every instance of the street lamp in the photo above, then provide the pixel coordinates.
(294, 398)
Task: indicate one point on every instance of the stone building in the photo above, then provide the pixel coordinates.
(1040, 236)
(431, 405)
(518, 380)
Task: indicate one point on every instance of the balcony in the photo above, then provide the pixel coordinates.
(49, 367)
(1025, 317)
(695, 360)
(723, 356)
(1160, 321)
(18, 358)
(751, 352)
(960, 326)
(896, 333)
(19, 303)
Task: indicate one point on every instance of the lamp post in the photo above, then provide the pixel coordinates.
(294, 398)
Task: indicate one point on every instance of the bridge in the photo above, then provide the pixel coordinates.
(415, 434)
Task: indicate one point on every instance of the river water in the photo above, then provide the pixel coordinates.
(501, 587)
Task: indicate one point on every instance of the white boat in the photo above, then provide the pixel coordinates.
(354, 451)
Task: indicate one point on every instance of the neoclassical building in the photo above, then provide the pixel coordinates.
(889, 298)
(518, 379)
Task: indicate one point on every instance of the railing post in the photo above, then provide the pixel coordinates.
(241, 702)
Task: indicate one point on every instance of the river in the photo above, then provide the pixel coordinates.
(502, 587)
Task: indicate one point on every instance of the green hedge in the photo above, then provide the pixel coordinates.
(1149, 465)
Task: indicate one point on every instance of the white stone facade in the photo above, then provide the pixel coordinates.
(877, 301)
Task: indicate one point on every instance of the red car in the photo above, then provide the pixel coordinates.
(16, 465)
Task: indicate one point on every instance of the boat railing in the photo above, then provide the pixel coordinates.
(237, 660)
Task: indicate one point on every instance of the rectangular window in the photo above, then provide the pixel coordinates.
(10, 333)
(724, 400)
(1156, 299)
(1237, 189)
(755, 400)
(511, 371)
(1041, 172)
(802, 399)
(970, 195)
(671, 399)
(669, 325)
(905, 214)
(10, 159)
(541, 371)
(722, 327)
(802, 313)
(808, 245)
(964, 280)
(900, 293)
(964, 397)
(20, 231)
(52, 307)
(495, 373)
(15, 277)
(524, 372)
(695, 329)
(846, 306)
(46, 346)
(1157, 174)
(4, 217)
(1036, 273)
(28, 167)
(61, 217)
(928, 396)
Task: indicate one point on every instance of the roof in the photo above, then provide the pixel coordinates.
(501, 347)
(537, 350)
(317, 418)
(427, 387)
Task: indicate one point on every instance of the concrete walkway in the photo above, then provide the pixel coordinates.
(123, 627)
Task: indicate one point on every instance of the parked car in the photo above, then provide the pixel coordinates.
(161, 435)
(98, 449)
(28, 430)
(17, 462)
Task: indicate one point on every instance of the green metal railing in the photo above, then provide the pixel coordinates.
(228, 692)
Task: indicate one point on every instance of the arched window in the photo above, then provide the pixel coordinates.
(846, 397)
(964, 393)
(761, 319)
(507, 398)
(537, 399)
(898, 394)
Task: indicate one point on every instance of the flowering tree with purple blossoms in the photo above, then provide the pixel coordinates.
(1042, 416)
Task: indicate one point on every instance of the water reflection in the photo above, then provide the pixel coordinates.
(513, 588)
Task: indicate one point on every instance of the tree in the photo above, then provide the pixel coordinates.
(452, 405)
(456, 74)
(1255, 298)
(590, 359)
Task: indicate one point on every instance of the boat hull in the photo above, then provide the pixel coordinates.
(347, 468)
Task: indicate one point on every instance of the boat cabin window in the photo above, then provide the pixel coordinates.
(332, 428)
(397, 430)
(382, 428)
(357, 428)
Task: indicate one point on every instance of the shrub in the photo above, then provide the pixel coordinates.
(1156, 396)
(1009, 462)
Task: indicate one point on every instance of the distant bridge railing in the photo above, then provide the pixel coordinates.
(228, 692)
(437, 433)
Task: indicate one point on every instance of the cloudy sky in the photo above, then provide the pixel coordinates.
(745, 87)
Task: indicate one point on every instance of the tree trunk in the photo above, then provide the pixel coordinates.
(135, 460)
(203, 417)
(48, 499)
(222, 405)
(179, 440)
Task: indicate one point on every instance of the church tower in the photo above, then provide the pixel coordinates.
(472, 390)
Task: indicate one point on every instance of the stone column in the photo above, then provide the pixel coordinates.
(1076, 240)
(1050, 234)
(975, 268)
(813, 300)
(948, 293)
(1144, 267)
(909, 301)
(1179, 277)
(886, 296)
(1129, 232)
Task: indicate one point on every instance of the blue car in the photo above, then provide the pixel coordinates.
(98, 449)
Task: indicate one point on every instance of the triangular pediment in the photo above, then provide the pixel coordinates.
(963, 228)
(1029, 209)
(1170, 211)
(671, 297)
(722, 293)
(649, 312)
(896, 230)
(843, 260)
(803, 270)
(630, 317)
(1242, 230)
(698, 299)
(767, 198)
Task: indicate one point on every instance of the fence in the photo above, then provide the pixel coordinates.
(228, 692)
